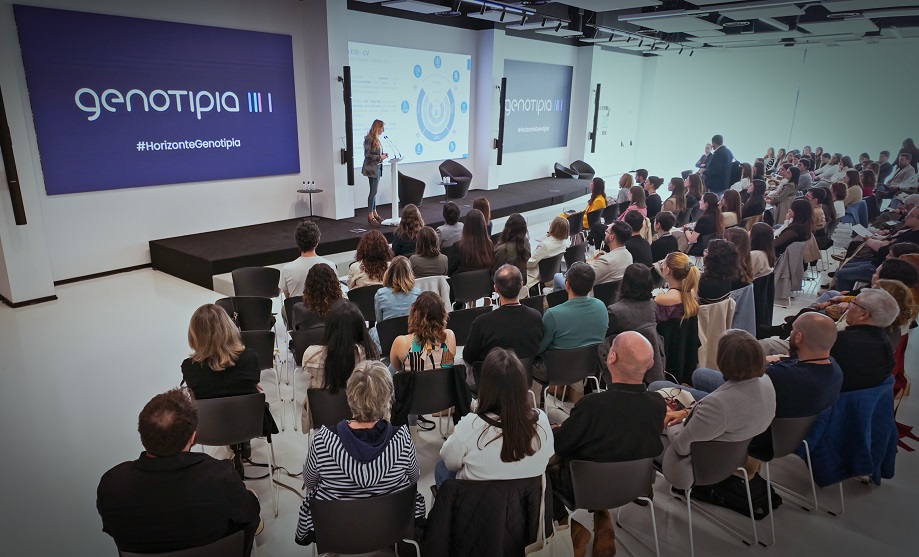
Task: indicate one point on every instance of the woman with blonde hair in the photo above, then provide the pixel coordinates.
(365, 456)
(769, 159)
(682, 277)
(429, 343)
(373, 168)
(370, 260)
(398, 292)
(907, 303)
(625, 184)
(636, 202)
(406, 234)
(555, 242)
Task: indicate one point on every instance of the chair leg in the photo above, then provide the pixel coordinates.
(692, 547)
(811, 505)
(533, 397)
(275, 489)
(293, 400)
(414, 543)
(769, 500)
(746, 480)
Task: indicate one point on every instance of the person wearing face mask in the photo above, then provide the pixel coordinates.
(373, 168)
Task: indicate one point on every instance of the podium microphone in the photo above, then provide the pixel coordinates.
(393, 145)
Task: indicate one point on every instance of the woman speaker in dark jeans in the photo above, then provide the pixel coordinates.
(373, 167)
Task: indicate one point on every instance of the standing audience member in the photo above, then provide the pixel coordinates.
(512, 325)
(427, 260)
(514, 245)
(718, 172)
(406, 234)
(555, 243)
(170, 498)
(596, 431)
(505, 438)
(293, 275)
(371, 260)
(451, 231)
(365, 456)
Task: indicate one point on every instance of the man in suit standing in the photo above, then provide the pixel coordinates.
(718, 172)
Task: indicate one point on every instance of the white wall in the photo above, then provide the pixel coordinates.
(847, 101)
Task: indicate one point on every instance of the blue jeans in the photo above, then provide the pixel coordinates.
(442, 473)
(827, 296)
(374, 186)
(849, 274)
(559, 281)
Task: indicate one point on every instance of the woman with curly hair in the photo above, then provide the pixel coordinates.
(429, 344)
(475, 249)
(406, 234)
(427, 260)
(346, 337)
(321, 291)
(721, 270)
(514, 246)
(370, 261)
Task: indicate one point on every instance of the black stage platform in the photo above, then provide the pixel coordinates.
(198, 257)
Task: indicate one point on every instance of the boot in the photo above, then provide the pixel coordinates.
(604, 535)
(579, 538)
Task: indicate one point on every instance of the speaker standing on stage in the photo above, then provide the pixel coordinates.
(373, 167)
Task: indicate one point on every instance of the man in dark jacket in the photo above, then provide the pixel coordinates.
(621, 423)
(170, 498)
(863, 349)
(718, 173)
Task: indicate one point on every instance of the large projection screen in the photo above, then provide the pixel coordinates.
(123, 102)
(536, 106)
(422, 97)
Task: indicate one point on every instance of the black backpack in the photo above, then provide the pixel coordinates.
(731, 494)
(736, 172)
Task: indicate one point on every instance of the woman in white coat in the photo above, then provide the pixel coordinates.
(555, 242)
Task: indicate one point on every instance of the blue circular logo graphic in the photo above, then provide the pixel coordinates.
(455, 76)
(435, 108)
(464, 107)
(452, 146)
(404, 107)
(437, 62)
(418, 148)
(417, 70)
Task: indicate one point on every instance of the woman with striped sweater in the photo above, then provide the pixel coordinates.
(363, 457)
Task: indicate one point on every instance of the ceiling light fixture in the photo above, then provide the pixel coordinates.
(667, 47)
(543, 22)
(559, 26)
(681, 50)
(690, 52)
(641, 42)
(523, 19)
(629, 39)
(610, 39)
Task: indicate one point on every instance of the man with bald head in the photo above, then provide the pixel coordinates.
(622, 423)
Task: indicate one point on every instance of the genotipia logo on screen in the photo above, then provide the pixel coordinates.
(199, 102)
(533, 105)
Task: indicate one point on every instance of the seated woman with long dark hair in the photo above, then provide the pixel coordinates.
(406, 234)
(365, 456)
(799, 228)
(709, 223)
(427, 260)
(514, 246)
(347, 338)
(505, 438)
(721, 269)
(756, 202)
(475, 249)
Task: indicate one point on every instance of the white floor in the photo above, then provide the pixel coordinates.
(77, 371)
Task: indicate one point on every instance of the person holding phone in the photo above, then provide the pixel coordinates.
(373, 167)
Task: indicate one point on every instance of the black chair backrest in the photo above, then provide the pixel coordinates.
(434, 391)
(789, 433)
(230, 420)
(610, 213)
(469, 286)
(228, 546)
(289, 304)
(575, 253)
(256, 281)
(623, 206)
(575, 223)
(695, 213)
(535, 302)
(388, 330)
(607, 292)
(251, 313)
(874, 211)
(610, 485)
(549, 266)
(713, 461)
(593, 217)
(393, 520)
(684, 216)
(303, 339)
(327, 409)
(363, 299)
(411, 190)
(571, 365)
(460, 322)
(556, 298)
(453, 169)
(263, 344)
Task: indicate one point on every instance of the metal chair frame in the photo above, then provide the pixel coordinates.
(265, 346)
